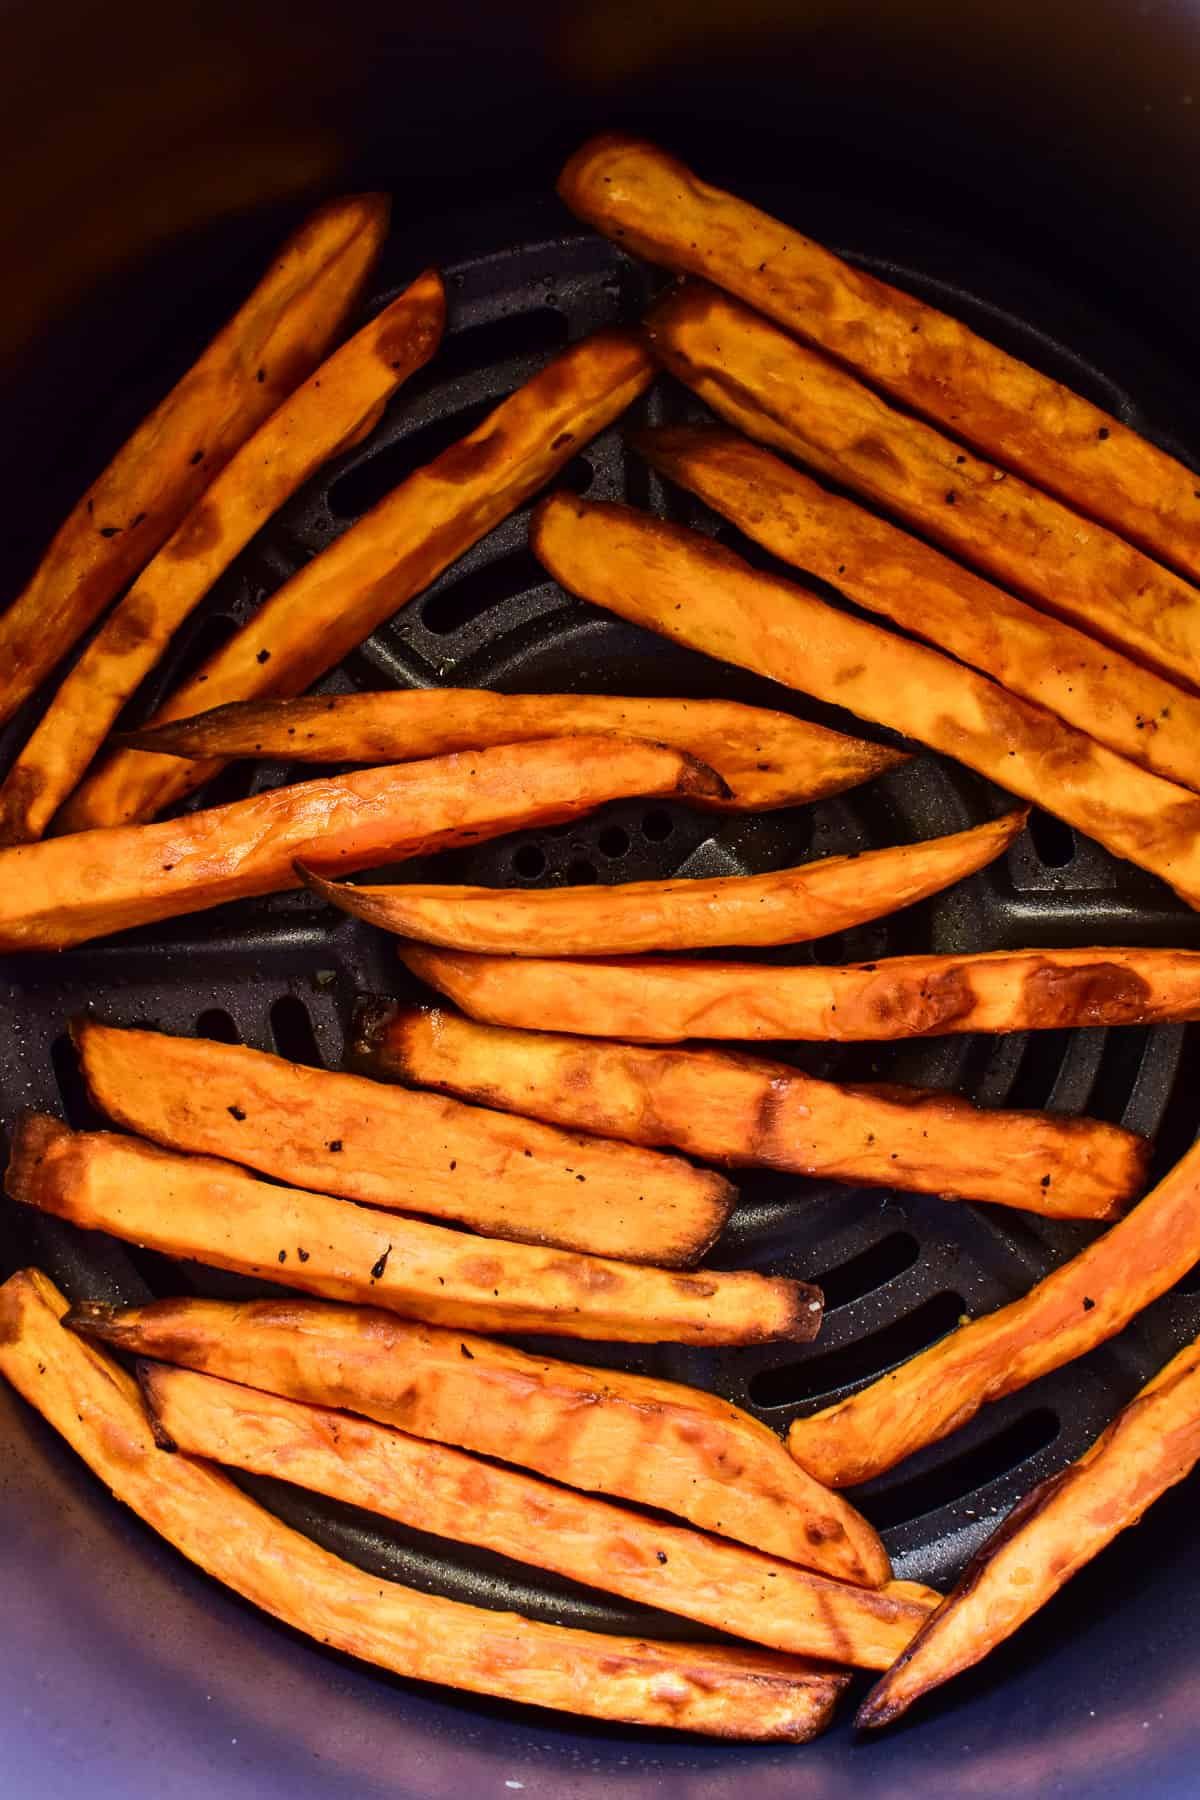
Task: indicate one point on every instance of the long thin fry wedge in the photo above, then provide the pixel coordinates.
(767, 759)
(656, 207)
(64, 890)
(82, 1393)
(419, 1153)
(1132, 710)
(1081, 1304)
(1052, 1534)
(334, 408)
(746, 1112)
(196, 1206)
(666, 999)
(771, 387)
(401, 545)
(272, 343)
(678, 1449)
(455, 1496)
(787, 906)
(679, 583)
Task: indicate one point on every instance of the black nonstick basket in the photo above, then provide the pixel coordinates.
(109, 1640)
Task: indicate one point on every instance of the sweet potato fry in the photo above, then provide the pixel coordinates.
(666, 999)
(342, 1135)
(334, 408)
(1094, 687)
(771, 387)
(746, 1112)
(767, 759)
(787, 906)
(64, 890)
(272, 343)
(1081, 1304)
(1052, 1534)
(197, 1206)
(94, 1404)
(455, 1496)
(401, 545)
(680, 1450)
(658, 208)
(694, 591)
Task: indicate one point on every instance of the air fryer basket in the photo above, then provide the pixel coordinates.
(248, 1703)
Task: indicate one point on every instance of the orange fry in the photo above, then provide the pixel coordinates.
(272, 343)
(334, 408)
(399, 547)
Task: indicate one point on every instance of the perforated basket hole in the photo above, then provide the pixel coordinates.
(1038, 1068)
(861, 1361)
(960, 1476)
(529, 862)
(580, 873)
(216, 1023)
(1053, 840)
(77, 1107)
(1124, 1050)
(658, 826)
(362, 487)
(541, 330)
(613, 842)
(476, 593)
(870, 1269)
(292, 1030)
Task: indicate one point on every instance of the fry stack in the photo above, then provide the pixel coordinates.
(554, 1156)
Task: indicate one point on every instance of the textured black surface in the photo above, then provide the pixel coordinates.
(283, 973)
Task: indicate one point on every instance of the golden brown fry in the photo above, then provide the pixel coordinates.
(768, 759)
(657, 208)
(772, 388)
(334, 408)
(64, 890)
(1052, 1534)
(1081, 1304)
(94, 1404)
(272, 343)
(787, 906)
(401, 545)
(415, 1152)
(678, 1449)
(453, 1495)
(743, 1111)
(197, 1206)
(666, 999)
(690, 589)
(1132, 710)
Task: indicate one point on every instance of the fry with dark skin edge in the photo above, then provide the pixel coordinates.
(418, 1153)
(725, 1691)
(787, 906)
(1093, 687)
(335, 408)
(768, 759)
(657, 208)
(454, 1496)
(744, 1111)
(1050, 1535)
(681, 584)
(666, 999)
(772, 388)
(64, 890)
(1084, 1302)
(197, 1206)
(680, 1450)
(399, 547)
(273, 342)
